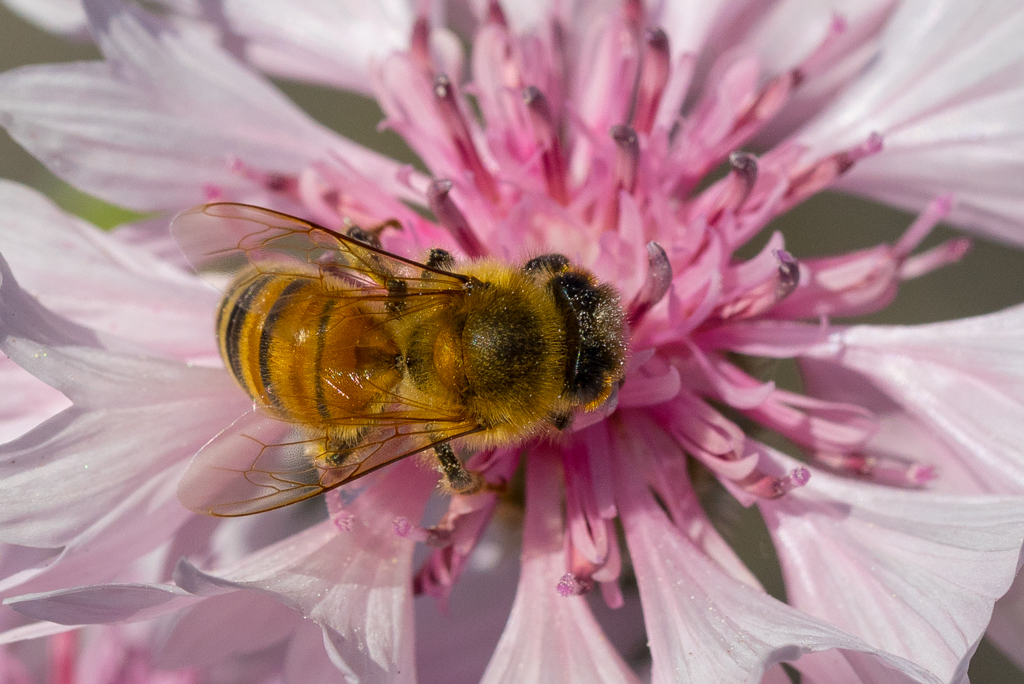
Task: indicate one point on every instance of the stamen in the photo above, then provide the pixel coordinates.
(744, 169)
(821, 173)
(449, 216)
(893, 471)
(789, 274)
(770, 487)
(654, 73)
(419, 44)
(627, 157)
(659, 279)
(552, 157)
(444, 95)
(495, 15)
(822, 55)
(634, 13)
(63, 655)
(570, 585)
(274, 182)
(936, 210)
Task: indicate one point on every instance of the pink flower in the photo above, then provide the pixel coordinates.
(896, 532)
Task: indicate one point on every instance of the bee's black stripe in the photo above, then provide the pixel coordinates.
(267, 336)
(236, 319)
(318, 359)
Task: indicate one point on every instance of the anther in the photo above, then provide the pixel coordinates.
(627, 157)
(744, 169)
(770, 487)
(654, 74)
(789, 274)
(659, 279)
(546, 135)
(449, 216)
(495, 15)
(419, 44)
(455, 123)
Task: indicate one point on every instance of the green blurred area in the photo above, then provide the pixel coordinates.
(988, 279)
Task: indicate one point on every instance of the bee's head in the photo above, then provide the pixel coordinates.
(594, 325)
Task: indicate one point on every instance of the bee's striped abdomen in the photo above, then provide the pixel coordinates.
(313, 355)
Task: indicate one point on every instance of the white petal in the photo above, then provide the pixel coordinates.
(910, 572)
(963, 380)
(946, 94)
(88, 276)
(133, 417)
(57, 16)
(356, 584)
(330, 41)
(101, 604)
(705, 625)
(26, 401)
(550, 638)
(159, 123)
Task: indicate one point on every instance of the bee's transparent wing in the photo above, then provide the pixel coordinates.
(225, 240)
(259, 463)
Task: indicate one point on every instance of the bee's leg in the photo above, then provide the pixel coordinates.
(560, 420)
(458, 479)
(371, 236)
(338, 447)
(398, 289)
(441, 260)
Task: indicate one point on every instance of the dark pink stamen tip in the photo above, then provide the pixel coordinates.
(546, 134)
(654, 75)
(659, 279)
(570, 585)
(744, 168)
(449, 216)
(420, 43)
(462, 141)
(496, 15)
(401, 526)
(627, 158)
(789, 274)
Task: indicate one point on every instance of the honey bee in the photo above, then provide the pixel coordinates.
(355, 357)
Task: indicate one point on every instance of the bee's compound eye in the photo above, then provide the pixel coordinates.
(552, 263)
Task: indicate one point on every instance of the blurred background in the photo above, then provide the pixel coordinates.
(989, 278)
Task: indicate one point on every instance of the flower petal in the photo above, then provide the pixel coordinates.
(963, 380)
(101, 604)
(1007, 627)
(57, 16)
(911, 572)
(355, 583)
(321, 40)
(550, 637)
(99, 282)
(164, 119)
(945, 94)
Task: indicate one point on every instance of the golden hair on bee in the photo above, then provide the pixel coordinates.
(356, 357)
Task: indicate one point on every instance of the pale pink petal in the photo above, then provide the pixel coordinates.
(102, 604)
(1007, 627)
(84, 274)
(321, 40)
(126, 424)
(26, 401)
(165, 120)
(550, 637)
(945, 94)
(57, 16)
(910, 572)
(355, 583)
(704, 625)
(242, 622)
(963, 379)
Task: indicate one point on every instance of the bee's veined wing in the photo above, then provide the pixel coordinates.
(225, 239)
(259, 463)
